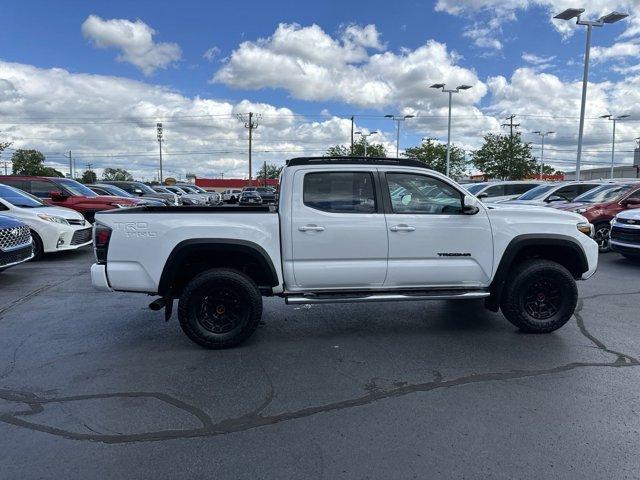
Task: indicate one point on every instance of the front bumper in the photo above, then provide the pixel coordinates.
(57, 237)
(99, 278)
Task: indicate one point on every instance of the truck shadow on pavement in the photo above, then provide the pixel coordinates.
(25, 409)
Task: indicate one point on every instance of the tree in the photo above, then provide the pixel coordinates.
(273, 171)
(505, 157)
(31, 162)
(4, 145)
(88, 177)
(117, 175)
(373, 150)
(434, 155)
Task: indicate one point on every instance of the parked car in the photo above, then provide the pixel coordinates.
(267, 194)
(53, 229)
(550, 193)
(625, 234)
(15, 242)
(250, 197)
(65, 192)
(231, 195)
(214, 197)
(601, 204)
(490, 192)
(340, 236)
(106, 189)
(139, 189)
(188, 198)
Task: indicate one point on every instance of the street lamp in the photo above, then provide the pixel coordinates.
(450, 92)
(542, 134)
(398, 119)
(365, 136)
(570, 14)
(613, 142)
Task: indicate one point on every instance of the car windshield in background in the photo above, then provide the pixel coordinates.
(537, 193)
(18, 198)
(145, 188)
(475, 187)
(76, 188)
(113, 190)
(603, 193)
(162, 190)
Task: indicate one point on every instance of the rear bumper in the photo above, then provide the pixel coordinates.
(99, 278)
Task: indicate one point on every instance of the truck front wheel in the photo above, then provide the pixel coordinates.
(220, 308)
(539, 297)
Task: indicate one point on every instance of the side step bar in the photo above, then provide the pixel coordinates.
(356, 297)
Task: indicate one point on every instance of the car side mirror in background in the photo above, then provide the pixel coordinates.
(482, 195)
(470, 205)
(555, 198)
(138, 191)
(57, 196)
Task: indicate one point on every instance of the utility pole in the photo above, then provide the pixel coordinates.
(351, 134)
(265, 173)
(160, 140)
(249, 123)
(542, 134)
(69, 156)
(511, 126)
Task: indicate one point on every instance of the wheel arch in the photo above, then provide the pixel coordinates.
(190, 257)
(563, 249)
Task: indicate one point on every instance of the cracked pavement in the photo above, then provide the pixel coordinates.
(94, 384)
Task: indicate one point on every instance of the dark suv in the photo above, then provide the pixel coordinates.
(16, 245)
(65, 192)
(140, 189)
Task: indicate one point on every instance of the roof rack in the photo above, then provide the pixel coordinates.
(403, 162)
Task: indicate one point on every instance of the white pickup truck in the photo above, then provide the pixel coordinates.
(346, 230)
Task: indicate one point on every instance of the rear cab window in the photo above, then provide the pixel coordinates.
(340, 192)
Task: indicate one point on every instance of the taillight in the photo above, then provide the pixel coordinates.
(101, 237)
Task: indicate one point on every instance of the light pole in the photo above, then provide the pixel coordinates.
(398, 119)
(542, 134)
(450, 92)
(570, 14)
(365, 136)
(613, 142)
(160, 140)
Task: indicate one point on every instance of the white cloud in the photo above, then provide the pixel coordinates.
(538, 62)
(134, 40)
(616, 51)
(211, 53)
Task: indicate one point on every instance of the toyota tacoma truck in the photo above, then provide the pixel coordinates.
(346, 230)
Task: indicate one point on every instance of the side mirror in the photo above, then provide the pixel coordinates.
(555, 198)
(470, 205)
(138, 191)
(631, 202)
(482, 195)
(57, 196)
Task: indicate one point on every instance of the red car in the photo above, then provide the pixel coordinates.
(64, 192)
(601, 204)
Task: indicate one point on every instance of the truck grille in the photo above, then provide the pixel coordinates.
(626, 235)
(13, 238)
(81, 236)
(15, 256)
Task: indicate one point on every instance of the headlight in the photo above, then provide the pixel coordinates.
(586, 228)
(51, 218)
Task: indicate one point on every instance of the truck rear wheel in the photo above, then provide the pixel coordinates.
(539, 297)
(220, 308)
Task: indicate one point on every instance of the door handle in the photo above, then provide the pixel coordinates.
(311, 228)
(402, 228)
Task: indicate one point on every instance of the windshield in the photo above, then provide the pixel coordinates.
(537, 193)
(162, 190)
(76, 188)
(113, 190)
(19, 198)
(265, 190)
(475, 187)
(144, 187)
(188, 189)
(603, 193)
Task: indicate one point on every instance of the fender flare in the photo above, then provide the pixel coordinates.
(181, 250)
(516, 245)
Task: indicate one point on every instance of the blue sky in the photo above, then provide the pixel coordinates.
(485, 40)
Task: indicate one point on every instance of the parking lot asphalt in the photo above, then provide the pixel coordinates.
(96, 385)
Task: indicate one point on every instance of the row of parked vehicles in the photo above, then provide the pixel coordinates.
(250, 195)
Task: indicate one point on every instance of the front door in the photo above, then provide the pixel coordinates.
(338, 231)
(431, 242)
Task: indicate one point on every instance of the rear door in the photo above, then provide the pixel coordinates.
(338, 230)
(431, 242)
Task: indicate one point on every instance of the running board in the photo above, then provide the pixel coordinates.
(357, 297)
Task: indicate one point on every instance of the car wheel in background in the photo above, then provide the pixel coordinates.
(38, 248)
(539, 297)
(601, 233)
(220, 308)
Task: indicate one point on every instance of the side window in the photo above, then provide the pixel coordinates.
(339, 192)
(635, 194)
(518, 188)
(21, 184)
(495, 191)
(127, 187)
(41, 188)
(413, 193)
(569, 192)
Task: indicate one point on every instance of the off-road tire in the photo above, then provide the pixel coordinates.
(532, 282)
(216, 300)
